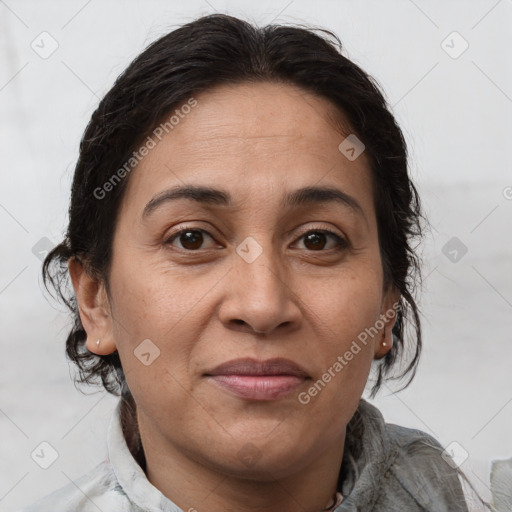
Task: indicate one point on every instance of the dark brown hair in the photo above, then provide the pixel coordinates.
(208, 52)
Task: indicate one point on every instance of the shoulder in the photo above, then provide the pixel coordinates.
(422, 468)
(402, 468)
(413, 446)
(96, 490)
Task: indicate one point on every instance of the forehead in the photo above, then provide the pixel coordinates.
(260, 138)
(257, 116)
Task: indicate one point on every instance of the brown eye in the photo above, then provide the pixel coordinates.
(189, 239)
(315, 241)
(318, 239)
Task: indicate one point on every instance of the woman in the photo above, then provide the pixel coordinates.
(240, 248)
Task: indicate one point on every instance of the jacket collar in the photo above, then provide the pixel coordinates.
(130, 476)
(366, 458)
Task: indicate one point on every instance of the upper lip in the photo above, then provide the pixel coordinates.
(250, 366)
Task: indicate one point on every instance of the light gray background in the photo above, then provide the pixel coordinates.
(456, 115)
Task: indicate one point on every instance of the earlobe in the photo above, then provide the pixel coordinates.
(388, 317)
(101, 346)
(93, 308)
(386, 344)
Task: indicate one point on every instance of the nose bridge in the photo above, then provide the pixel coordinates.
(261, 296)
(258, 267)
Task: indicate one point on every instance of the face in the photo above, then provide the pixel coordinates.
(246, 272)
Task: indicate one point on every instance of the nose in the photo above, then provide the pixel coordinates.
(260, 296)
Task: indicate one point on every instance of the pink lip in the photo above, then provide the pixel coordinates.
(250, 366)
(258, 388)
(258, 380)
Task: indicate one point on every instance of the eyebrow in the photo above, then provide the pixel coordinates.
(209, 195)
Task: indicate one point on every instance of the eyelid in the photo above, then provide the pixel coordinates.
(323, 228)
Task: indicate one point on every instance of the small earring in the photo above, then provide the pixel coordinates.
(97, 342)
(384, 343)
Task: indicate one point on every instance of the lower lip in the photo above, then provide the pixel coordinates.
(262, 387)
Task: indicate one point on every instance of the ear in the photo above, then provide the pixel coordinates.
(387, 319)
(94, 309)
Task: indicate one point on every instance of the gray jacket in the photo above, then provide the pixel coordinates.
(388, 468)
(385, 468)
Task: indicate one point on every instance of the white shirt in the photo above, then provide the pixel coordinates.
(116, 484)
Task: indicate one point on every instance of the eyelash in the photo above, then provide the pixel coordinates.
(341, 243)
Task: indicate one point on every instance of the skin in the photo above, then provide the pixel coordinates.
(203, 305)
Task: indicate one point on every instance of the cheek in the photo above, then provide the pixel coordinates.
(346, 305)
(158, 317)
(152, 301)
(343, 312)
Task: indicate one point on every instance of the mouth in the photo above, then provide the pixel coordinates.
(251, 379)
